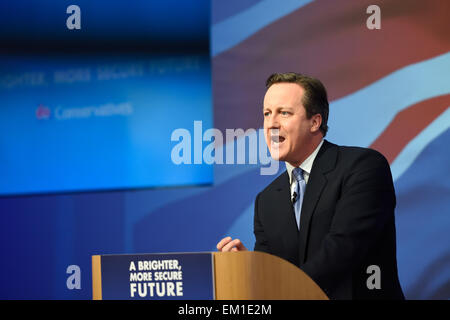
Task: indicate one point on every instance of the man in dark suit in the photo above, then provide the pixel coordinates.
(332, 212)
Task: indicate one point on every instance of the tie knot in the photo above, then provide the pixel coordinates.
(298, 174)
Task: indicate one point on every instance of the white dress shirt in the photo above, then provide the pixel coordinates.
(305, 166)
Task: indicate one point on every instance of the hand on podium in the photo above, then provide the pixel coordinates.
(228, 244)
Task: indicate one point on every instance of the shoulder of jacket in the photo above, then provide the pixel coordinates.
(277, 183)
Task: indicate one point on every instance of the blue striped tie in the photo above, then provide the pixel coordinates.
(299, 189)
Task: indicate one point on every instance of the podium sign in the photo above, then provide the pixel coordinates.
(244, 275)
(187, 276)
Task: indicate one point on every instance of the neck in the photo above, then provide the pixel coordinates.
(307, 150)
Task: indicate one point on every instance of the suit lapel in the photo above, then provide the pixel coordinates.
(324, 162)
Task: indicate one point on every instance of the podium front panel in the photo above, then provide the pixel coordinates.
(186, 276)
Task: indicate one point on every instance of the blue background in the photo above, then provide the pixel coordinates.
(150, 208)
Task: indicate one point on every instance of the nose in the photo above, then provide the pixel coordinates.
(271, 122)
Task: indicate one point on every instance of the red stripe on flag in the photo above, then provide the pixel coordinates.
(407, 124)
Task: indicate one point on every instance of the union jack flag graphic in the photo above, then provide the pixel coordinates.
(389, 89)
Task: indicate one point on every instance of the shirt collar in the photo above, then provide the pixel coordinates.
(306, 165)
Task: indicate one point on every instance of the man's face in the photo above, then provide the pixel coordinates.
(287, 130)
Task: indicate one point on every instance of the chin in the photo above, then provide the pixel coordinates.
(279, 152)
(277, 156)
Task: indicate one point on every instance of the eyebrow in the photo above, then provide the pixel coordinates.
(278, 108)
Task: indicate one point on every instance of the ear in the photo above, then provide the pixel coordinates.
(316, 121)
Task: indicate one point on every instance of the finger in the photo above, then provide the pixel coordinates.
(228, 246)
(223, 242)
(231, 244)
(240, 247)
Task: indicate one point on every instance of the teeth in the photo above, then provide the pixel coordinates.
(277, 139)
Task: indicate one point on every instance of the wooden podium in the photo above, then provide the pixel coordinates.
(253, 275)
(246, 275)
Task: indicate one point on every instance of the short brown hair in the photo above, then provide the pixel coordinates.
(315, 99)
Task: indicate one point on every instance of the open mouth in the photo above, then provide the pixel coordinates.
(277, 139)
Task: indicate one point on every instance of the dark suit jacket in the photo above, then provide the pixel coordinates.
(347, 223)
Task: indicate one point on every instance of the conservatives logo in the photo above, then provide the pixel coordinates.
(107, 110)
(43, 112)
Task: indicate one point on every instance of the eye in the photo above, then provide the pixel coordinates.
(266, 113)
(285, 113)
